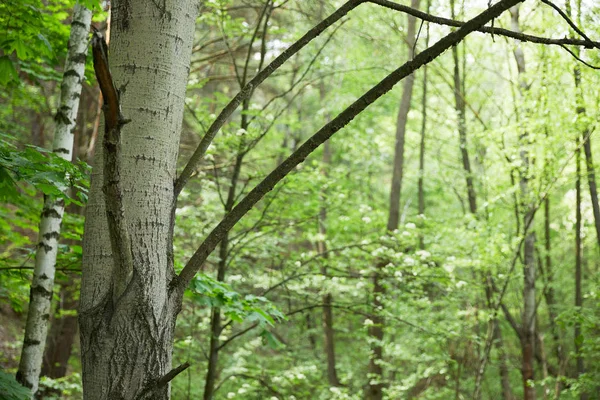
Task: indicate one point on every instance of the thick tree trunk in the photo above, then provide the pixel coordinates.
(375, 385)
(529, 273)
(127, 339)
(45, 260)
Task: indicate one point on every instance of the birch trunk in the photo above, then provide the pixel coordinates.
(127, 341)
(42, 284)
(529, 272)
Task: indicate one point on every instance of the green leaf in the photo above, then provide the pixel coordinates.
(11, 389)
(8, 72)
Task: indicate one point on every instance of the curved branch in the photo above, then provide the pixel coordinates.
(254, 82)
(180, 282)
(244, 93)
(590, 42)
(484, 29)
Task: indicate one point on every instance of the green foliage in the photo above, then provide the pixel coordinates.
(45, 171)
(322, 231)
(68, 387)
(11, 389)
(235, 306)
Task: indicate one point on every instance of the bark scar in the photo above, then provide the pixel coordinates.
(113, 191)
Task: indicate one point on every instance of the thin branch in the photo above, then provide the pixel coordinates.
(247, 203)
(579, 59)
(590, 43)
(484, 29)
(254, 82)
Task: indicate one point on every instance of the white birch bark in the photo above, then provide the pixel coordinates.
(45, 259)
(127, 341)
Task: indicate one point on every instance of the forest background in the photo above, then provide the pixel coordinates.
(443, 244)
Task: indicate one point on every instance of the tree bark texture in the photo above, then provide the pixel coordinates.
(127, 343)
(42, 284)
(127, 337)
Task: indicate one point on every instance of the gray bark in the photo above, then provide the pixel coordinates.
(42, 284)
(127, 325)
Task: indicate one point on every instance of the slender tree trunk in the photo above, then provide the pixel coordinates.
(529, 273)
(462, 132)
(45, 261)
(421, 182)
(215, 320)
(327, 310)
(375, 385)
(580, 368)
(407, 89)
(591, 175)
(63, 328)
(578, 295)
(549, 290)
(327, 316)
(460, 107)
(127, 336)
(376, 330)
(503, 365)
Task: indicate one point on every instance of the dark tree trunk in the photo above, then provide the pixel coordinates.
(215, 319)
(62, 332)
(421, 181)
(578, 295)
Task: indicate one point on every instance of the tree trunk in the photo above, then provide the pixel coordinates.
(421, 181)
(327, 310)
(62, 333)
(591, 175)
(127, 338)
(45, 260)
(460, 108)
(580, 368)
(375, 385)
(529, 304)
(578, 294)
(503, 367)
(407, 90)
(215, 319)
(327, 316)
